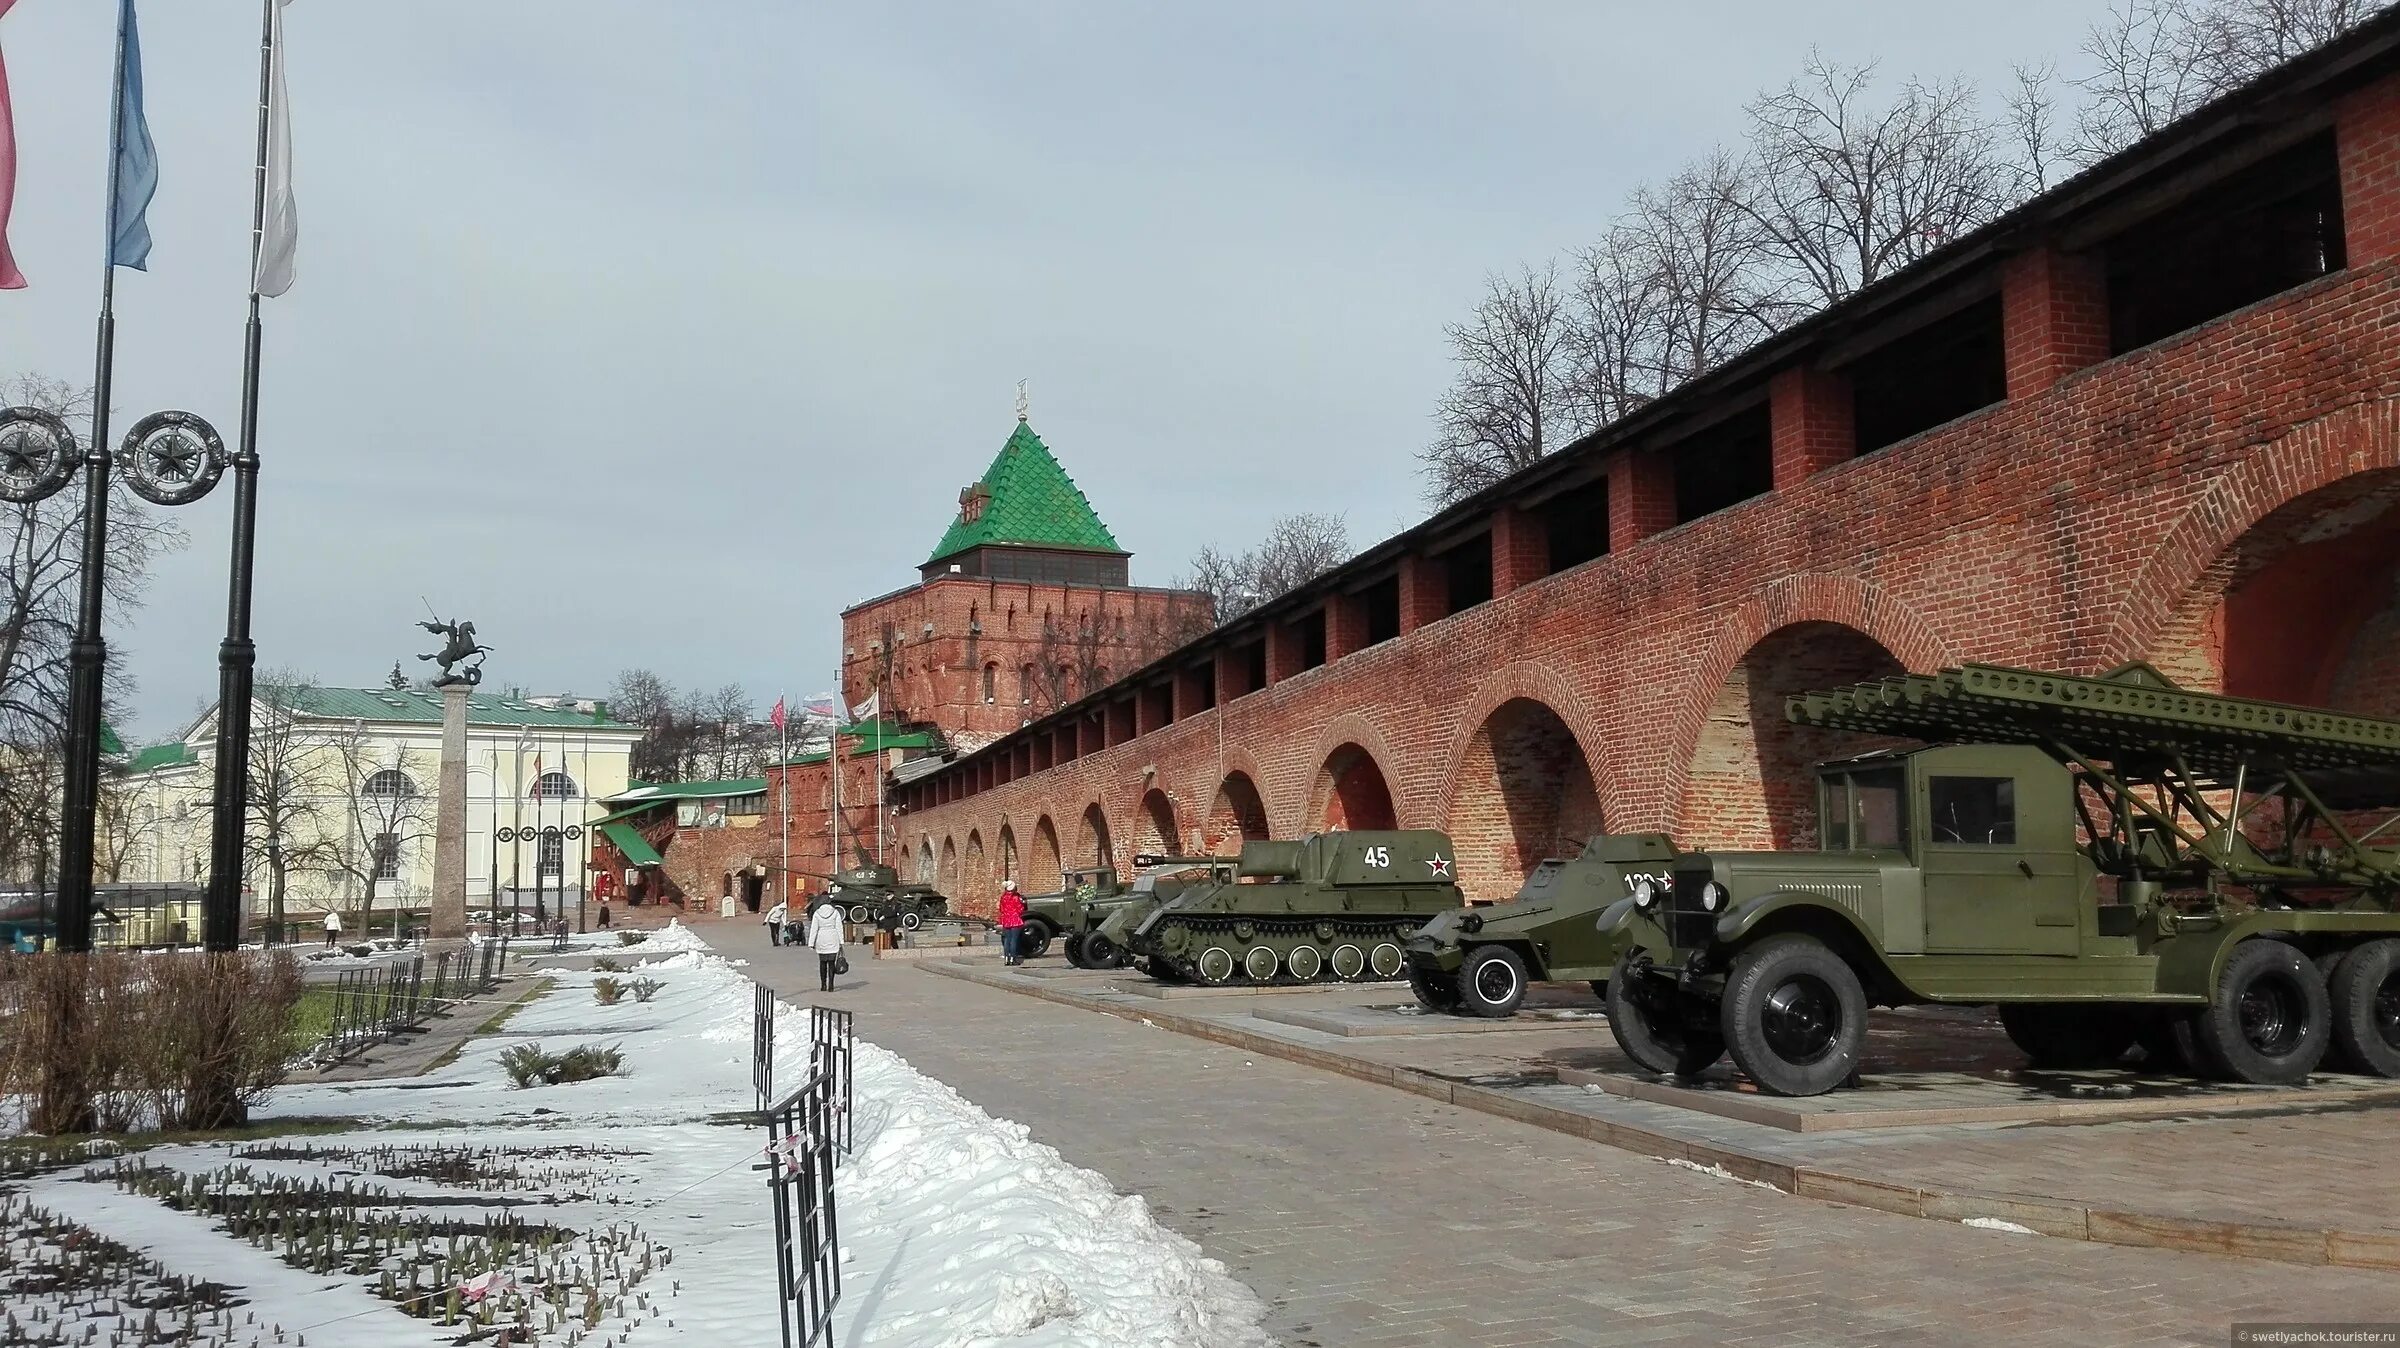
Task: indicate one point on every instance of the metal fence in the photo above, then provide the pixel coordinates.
(762, 1044)
(371, 1005)
(832, 1041)
(799, 1165)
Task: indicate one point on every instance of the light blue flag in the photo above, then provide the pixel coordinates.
(137, 159)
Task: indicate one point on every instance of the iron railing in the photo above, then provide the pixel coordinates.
(799, 1164)
(762, 1044)
(832, 1044)
(371, 1005)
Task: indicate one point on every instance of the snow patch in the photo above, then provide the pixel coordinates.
(1996, 1224)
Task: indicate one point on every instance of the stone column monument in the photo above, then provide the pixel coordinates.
(448, 920)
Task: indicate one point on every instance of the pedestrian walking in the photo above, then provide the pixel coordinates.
(604, 915)
(825, 937)
(774, 920)
(1012, 922)
(333, 930)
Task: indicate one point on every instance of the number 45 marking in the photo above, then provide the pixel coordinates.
(1378, 856)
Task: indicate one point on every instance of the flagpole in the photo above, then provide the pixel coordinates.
(87, 657)
(237, 656)
(783, 809)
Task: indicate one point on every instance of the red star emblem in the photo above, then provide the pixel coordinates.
(1441, 866)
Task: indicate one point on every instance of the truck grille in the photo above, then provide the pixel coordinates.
(1689, 925)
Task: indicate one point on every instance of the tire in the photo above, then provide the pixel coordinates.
(1033, 940)
(1099, 952)
(1600, 990)
(2068, 1036)
(911, 920)
(1074, 951)
(1794, 1016)
(2270, 1019)
(1491, 983)
(2366, 1009)
(1655, 1024)
(1435, 991)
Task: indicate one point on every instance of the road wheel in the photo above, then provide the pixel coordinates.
(1259, 962)
(1491, 983)
(1654, 1023)
(1794, 1016)
(1305, 963)
(1386, 960)
(1033, 939)
(1099, 952)
(1215, 964)
(2271, 1019)
(1436, 991)
(2366, 1009)
(1348, 962)
(2068, 1036)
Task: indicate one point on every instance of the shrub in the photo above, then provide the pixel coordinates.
(632, 937)
(646, 988)
(529, 1065)
(607, 965)
(609, 991)
(362, 951)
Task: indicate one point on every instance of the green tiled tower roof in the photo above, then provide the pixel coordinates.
(1027, 501)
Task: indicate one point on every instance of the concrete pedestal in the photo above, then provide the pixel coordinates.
(448, 920)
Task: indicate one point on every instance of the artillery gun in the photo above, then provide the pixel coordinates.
(2110, 860)
(1479, 961)
(1331, 905)
(1092, 893)
(872, 894)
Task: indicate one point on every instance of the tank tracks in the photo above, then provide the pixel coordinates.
(1239, 950)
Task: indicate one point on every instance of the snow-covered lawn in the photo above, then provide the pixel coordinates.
(642, 1220)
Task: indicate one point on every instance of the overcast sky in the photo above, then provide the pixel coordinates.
(656, 334)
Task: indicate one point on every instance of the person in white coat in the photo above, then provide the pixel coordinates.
(825, 937)
(333, 929)
(774, 919)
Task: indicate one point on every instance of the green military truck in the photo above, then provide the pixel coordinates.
(1051, 916)
(1075, 913)
(2108, 860)
(1479, 961)
(1328, 906)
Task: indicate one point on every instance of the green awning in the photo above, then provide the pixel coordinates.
(637, 851)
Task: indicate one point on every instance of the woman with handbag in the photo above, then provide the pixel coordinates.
(825, 937)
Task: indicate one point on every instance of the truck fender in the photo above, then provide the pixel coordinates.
(1739, 921)
(2190, 963)
(1615, 918)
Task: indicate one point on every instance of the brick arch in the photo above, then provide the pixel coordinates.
(1009, 861)
(1352, 791)
(977, 873)
(1531, 682)
(1045, 873)
(1208, 777)
(1306, 809)
(1236, 814)
(1521, 791)
(2313, 455)
(1095, 843)
(1844, 601)
(1155, 825)
(926, 875)
(952, 883)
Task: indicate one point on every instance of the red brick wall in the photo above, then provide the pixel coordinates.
(2097, 520)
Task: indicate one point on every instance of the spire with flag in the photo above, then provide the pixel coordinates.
(135, 179)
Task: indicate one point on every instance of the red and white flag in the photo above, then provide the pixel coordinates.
(776, 716)
(10, 277)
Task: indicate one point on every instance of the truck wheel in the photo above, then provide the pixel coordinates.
(2366, 1009)
(1653, 1024)
(2271, 1020)
(2067, 1035)
(1033, 939)
(911, 920)
(1099, 952)
(1491, 983)
(1073, 948)
(1794, 1016)
(1435, 991)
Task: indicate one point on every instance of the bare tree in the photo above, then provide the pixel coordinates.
(1841, 193)
(1515, 396)
(2032, 113)
(1297, 549)
(640, 697)
(291, 793)
(388, 815)
(721, 737)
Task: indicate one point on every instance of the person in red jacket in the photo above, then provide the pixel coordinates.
(1012, 921)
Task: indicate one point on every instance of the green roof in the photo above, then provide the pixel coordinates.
(652, 791)
(635, 848)
(410, 704)
(157, 756)
(871, 737)
(109, 741)
(1031, 503)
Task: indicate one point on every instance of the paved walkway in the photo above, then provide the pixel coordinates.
(1368, 1216)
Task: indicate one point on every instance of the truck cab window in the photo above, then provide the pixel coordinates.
(1833, 808)
(1977, 810)
(1880, 812)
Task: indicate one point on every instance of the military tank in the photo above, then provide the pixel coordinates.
(1480, 961)
(872, 894)
(1328, 906)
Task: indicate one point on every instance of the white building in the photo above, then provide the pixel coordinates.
(343, 794)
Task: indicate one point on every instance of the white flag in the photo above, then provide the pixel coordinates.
(281, 236)
(872, 707)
